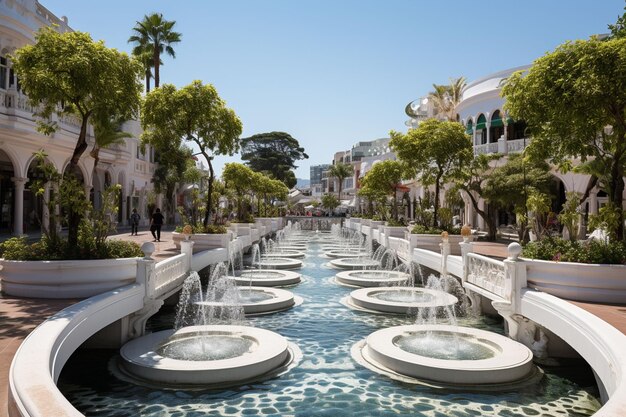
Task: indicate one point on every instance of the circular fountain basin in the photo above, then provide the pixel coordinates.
(329, 247)
(283, 253)
(278, 263)
(260, 300)
(354, 263)
(345, 253)
(371, 278)
(216, 354)
(429, 352)
(290, 246)
(399, 300)
(266, 278)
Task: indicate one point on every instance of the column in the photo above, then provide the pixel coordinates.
(488, 126)
(469, 213)
(124, 207)
(480, 221)
(18, 218)
(593, 202)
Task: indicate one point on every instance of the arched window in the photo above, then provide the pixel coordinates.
(481, 130)
(4, 72)
(496, 128)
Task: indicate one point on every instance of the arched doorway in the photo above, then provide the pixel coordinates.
(496, 127)
(33, 204)
(481, 130)
(7, 192)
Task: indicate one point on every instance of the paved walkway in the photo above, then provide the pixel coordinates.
(164, 249)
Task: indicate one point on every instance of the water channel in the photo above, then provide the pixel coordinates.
(326, 381)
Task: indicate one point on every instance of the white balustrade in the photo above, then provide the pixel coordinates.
(169, 273)
(488, 274)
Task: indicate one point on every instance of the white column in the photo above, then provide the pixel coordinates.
(488, 126)
(18, 218)
(469, 213)
(87, 189)
(480, 221)
(593, 202)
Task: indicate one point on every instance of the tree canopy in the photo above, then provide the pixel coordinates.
(152, 37)
(274, 153)
(433, 150)
(341, 172)
(330, 202)
(384, 179)
(574, 103)
(70, 74)
(194, 114)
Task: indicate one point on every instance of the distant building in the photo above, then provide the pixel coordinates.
(316, 177)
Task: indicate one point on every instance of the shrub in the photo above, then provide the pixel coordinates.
(395, 223)
(425, 230)
(18, 249)
(592, 252)
(210, 229)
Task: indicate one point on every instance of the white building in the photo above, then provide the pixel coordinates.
(19, 140)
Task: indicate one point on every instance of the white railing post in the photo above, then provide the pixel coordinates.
(466, 248)
(515, 273)
(145, 270)
(445, 251)
(186, 248)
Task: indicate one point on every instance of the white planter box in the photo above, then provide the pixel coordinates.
(596, 283)
(366, 222)
(204, 241)
(375, 224)
(66, 279)
(394, 231)
(431, 242)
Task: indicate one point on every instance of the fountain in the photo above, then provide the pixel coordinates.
(262, 277)
(215, 349)
(261, 261)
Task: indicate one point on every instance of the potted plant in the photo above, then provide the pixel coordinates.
(210, 237)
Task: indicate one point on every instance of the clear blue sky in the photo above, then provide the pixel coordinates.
(335, 72)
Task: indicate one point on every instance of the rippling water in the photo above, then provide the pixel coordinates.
(327, 382)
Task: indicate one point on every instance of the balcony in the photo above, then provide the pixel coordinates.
(502, 146)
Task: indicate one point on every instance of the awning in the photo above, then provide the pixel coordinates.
(497, 122)
(481, 125)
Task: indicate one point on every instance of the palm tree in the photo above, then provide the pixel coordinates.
(107, 133)
(446, 98)
(144, 55)
(155, 34)
(341, 172)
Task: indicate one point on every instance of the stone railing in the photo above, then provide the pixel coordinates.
(315, 223)
(486, 148)
(517, 145)
(168, 273)
(488, 274)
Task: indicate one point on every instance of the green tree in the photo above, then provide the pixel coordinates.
(273, 153)
(330, 202)
(154, 35)
(70, 74)
(618, 30)
(242, 180)
(340, 172)
(384, 179)
(195, 114)
(107, 133)
(172, 166)
(446, 98)
(433, 150)
(502, 183)
(574, 103)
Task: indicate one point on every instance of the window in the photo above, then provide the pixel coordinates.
(3, 72)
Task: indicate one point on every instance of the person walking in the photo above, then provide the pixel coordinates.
(155, 225)
(134, 222)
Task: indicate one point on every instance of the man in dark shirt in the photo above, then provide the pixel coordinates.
(155, 225)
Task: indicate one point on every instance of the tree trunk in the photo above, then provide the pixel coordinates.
(617, 191)
(436, 202)
(207, 215)
(148, 76)
(490, 222)
(156, 59)
(74, 217)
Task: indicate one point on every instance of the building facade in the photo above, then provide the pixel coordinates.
(20, 210)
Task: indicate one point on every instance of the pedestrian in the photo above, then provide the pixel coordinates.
(134, 222)
(155, 225)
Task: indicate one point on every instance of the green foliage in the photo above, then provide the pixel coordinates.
(570, 215)
(273, 153)
(607, 219)
(69, 74)
(194, 114)
(242, 180)
(573, 102)
(434, 151)
(395, 223)
(618, 30)
(18, 249)
(214, 229)
(330, 202)
(340, 172)
(383, 180)
(593, 251)
(423, 210)
(445, 218)
(152, 37)
(425, 230)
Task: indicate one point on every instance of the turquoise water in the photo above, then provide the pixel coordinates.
(326, 382)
